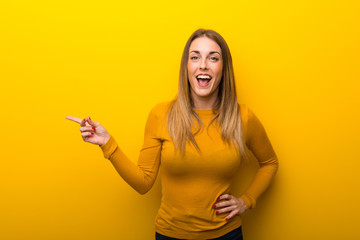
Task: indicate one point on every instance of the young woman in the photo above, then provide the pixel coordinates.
(198, 140)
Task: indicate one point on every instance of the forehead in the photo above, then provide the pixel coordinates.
(204, 45)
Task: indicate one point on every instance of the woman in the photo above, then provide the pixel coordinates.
(199, 140)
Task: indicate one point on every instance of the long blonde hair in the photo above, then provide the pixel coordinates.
(181, 114)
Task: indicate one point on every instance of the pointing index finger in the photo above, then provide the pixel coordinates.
(78, 120)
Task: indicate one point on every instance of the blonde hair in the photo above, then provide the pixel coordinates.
(181, 114)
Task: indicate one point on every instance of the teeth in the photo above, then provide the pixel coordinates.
(203, 77)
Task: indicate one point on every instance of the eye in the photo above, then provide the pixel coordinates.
(215, 59)
(194, 57)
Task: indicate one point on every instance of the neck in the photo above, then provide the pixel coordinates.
(204, 103)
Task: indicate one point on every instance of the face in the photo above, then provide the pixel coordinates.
(205, 67)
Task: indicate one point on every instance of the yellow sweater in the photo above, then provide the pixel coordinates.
(192, 183)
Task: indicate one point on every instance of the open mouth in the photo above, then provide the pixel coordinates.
(203, 79)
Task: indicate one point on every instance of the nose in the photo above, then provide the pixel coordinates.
(203, 64)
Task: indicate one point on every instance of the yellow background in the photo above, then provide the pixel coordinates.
(297, 68)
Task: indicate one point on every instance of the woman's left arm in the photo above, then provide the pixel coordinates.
(259, 144)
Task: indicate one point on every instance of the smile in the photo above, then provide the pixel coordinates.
(203, 79)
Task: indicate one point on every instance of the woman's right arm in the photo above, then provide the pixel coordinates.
(140, 176)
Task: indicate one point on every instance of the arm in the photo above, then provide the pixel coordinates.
(140, 176)
(259, 144)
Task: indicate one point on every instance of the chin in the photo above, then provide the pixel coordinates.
(203, 93)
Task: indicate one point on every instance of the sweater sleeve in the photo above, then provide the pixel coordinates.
(140, 176)
(259, 144)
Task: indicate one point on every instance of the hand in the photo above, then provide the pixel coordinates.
(91, 131)
(236, 206)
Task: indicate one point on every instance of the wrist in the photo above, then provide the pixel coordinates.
(106, 139)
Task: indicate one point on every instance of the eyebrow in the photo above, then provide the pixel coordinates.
(212, 52)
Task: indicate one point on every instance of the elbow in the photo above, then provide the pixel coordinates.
(142, 191)
(142, 186)
(272, 163)
(275, 165)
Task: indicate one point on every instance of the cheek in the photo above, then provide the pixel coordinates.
(219, 70)
(190, 69)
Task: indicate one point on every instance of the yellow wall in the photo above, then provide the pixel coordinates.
(297, 68)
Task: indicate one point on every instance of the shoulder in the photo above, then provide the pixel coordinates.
(161, 108)
(249, 121)
(243, 108)
(158, 113)
(246, 114)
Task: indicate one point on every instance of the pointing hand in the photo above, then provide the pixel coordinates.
(91, 131)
